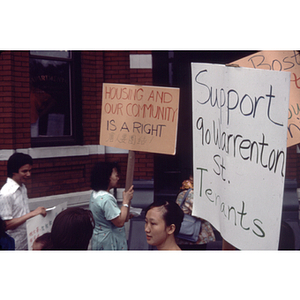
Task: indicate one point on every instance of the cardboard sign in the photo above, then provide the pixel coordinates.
(282, 61)
(239, 148)
(139, 118)
(39, 225)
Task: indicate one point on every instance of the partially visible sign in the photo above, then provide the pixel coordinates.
(282, 61)
(139, 118)
(240, 118)
(39, 225)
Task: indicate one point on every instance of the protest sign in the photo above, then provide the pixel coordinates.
(139, 118)
(281, 61)
(39, 225)
(239, 150)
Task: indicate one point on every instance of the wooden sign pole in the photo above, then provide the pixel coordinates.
(129, 173)
(130, 170)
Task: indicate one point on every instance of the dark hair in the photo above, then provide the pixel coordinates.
(72, 229)
(172, 214)
(101, 173)
(45, 240)
(16, 161)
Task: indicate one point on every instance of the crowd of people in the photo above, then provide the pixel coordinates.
(101, 227)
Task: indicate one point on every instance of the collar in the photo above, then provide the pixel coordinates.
(99, 193)
(10, 187)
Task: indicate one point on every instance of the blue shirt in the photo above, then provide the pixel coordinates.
(7, 242)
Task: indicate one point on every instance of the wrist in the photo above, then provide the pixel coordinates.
(125, 204)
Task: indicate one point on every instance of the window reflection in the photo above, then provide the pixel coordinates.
(50, 97)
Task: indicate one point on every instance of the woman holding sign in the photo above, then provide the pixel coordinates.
(109, 231)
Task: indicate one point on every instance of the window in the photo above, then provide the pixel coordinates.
(55, 98)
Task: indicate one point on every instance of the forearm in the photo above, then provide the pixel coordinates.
(126, 212)
(16, 222)
(122, 218)
(124, 215)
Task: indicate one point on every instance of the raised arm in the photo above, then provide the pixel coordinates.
(123, 216)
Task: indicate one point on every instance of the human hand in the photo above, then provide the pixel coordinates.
(40, 211)
(127, 196)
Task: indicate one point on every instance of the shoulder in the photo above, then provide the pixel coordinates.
(182, 194)
(191, 194)
(103, 196)
(10, 187)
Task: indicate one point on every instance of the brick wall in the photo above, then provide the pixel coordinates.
(3, 172)
(116, 67)
(14, 104)
(92, 78)
(54, 176)
(6, 107)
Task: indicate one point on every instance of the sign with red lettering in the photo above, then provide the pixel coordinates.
(282, 61)
(240, 117)
(139, 118)
(39, 225)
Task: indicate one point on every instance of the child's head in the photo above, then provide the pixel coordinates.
(43, 242)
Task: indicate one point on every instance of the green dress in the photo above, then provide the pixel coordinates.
(106, 236)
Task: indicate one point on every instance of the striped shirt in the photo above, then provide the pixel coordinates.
(14, 204)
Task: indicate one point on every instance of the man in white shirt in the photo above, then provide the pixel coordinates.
(14, 209)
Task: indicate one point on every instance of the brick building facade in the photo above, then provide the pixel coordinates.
(62, 167)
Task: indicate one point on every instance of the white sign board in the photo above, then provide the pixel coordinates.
(239, 146)
(39, 225)
(282, 61)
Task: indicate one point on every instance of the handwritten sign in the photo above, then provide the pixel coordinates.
(239, 147)
(139, 118)
(39, 225)
(282, 61)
